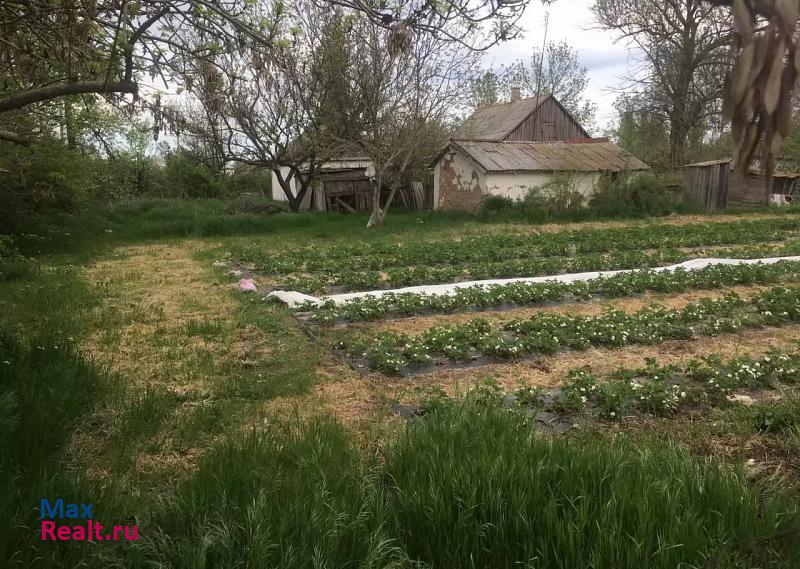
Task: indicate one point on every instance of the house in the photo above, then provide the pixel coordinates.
(342, 183)
(509, 148)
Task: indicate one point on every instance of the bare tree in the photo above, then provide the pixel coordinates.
(404, 101)
(285, 111)
(459, 21)
(684, 48)
(558, 72)
(52, 50)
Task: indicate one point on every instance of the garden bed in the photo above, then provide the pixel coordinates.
(543, 334)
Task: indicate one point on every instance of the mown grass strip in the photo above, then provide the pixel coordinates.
(531, 294)
(394, 353)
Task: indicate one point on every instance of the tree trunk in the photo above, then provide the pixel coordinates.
(295, 202)
(678, 134)
(69, 124)
(378, 215)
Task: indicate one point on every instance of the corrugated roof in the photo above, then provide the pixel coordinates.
(549, 156)
(497, 122)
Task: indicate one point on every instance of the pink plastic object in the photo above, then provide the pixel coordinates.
(248, 285)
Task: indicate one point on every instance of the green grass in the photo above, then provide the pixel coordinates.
(470, 486)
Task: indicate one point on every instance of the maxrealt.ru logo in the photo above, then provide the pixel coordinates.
(77, 523)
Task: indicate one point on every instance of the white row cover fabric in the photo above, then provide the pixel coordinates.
(294, 299)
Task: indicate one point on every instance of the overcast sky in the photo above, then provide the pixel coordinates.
(571, 21)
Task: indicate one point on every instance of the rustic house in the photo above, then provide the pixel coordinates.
(509, 148)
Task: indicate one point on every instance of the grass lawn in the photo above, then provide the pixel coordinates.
(235, 432)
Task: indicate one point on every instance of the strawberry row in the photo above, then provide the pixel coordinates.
(395, 353)
(531, 294)
(498, 247)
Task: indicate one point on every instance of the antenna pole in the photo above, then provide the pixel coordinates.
(539, 73)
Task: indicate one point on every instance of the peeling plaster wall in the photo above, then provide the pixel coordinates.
(458, 182)
(515, 186)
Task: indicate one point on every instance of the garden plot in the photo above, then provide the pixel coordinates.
(652, 389)
(539, 331)
(479, 340)
(356, 266)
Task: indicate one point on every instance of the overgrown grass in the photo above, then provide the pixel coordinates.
(470, 486)
(103, 225)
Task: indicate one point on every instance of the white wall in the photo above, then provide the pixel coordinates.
(515, 186)
(280, 196)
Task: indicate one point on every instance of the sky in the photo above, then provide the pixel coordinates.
(572, 21)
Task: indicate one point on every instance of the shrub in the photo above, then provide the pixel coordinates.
(636, 196)
(13, 265)
(492, 207)
(556, 199)
(45, 175)
(250, 180)
(184, 177)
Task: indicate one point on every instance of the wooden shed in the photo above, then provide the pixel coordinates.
(712, 187)
(707, 184)
(535, 119)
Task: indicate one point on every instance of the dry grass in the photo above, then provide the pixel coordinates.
(153, 293)
(165, 326)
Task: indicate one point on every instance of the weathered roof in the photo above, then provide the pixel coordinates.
(549, 156)
(498, 121)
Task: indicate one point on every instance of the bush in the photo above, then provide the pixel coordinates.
(556, 199)
(637, 196)
(13, 265)
(491, 205)
(184, 177)
(251, 180)
(45, 175)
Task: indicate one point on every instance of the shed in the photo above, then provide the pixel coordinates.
(347, 175)
(711, 186)
(467, 171)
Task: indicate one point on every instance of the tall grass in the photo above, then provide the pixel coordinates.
(468, 487)
(479, 489)
(46, 390)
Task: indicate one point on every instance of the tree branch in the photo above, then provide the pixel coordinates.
(9, 136)
(37, 95)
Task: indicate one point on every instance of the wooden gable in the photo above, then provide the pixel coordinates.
(550, 122)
